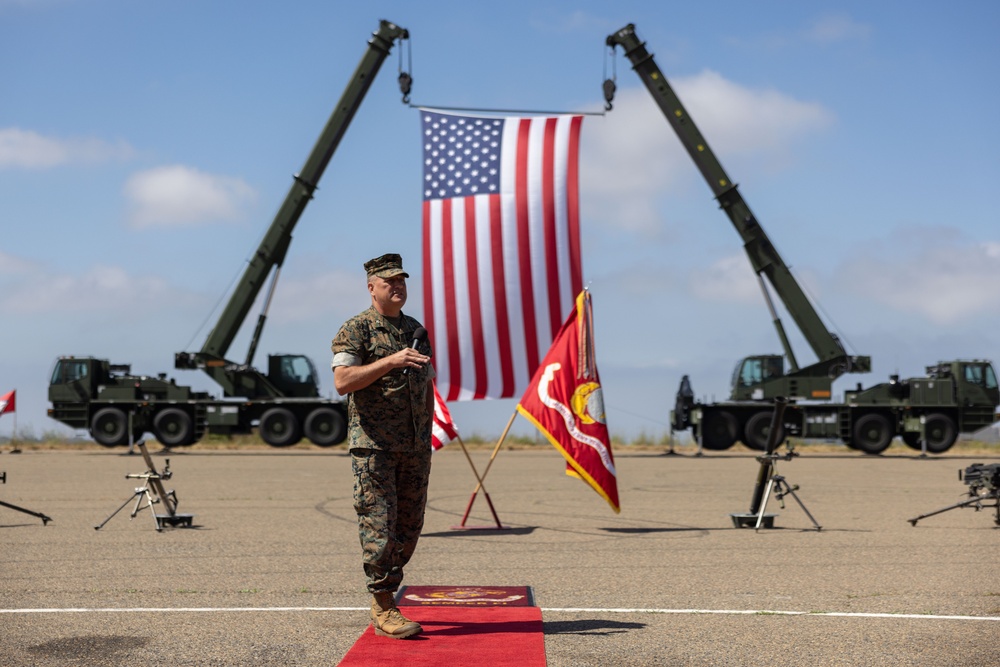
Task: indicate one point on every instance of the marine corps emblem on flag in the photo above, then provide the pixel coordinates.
(565, 402)
(588, 403)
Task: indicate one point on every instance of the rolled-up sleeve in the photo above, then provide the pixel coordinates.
(345, 359)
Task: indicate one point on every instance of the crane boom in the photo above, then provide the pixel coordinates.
(240, 379)
(763, 256)
(958, 396)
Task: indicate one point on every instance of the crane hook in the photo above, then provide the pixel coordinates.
(609, 94)
(405, 82)
(609, 84)
(405, 79)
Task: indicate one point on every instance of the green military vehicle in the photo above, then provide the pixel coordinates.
(926, 412)
(115, 405)
(284, 404)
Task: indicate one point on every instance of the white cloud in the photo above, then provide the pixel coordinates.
(836, 28)
(179, 195)
(340, 294)
(729, 279)
(633, 156)
(940, 278)
(100, 289)
(575, 21)
(11, 265)
(742, 120)
(29, 150)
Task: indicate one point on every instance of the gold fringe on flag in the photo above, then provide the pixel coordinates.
(586, 360)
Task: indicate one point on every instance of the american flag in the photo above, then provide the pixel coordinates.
(501, 251)
(443, 428)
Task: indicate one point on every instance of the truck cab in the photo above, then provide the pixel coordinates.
(76, 378)
(751, 374)
(294, 374)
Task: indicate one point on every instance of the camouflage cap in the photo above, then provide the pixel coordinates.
(386, 266)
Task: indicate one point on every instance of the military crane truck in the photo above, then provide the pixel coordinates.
(284, 403)
(954, 397)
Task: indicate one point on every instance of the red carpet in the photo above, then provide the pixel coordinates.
(485, 634)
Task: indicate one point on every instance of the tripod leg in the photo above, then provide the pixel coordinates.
(101, 524)
(791, 492)
(45, 519)
(139, 495)
(964, 503)
(763, 502)
(152, 510)
(150, 501)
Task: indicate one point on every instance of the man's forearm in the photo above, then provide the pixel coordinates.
(347, 379)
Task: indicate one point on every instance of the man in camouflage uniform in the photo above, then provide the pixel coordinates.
(390, 408)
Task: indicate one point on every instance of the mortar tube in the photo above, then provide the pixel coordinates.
(767, 459)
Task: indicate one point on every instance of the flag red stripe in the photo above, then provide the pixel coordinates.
(451, 320)
(573, 205)
(549, 225)
(524, 246)
(500, 299)
(475, 307)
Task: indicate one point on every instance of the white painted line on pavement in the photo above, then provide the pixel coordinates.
(567, 610)
(115, 610)
(768, 612)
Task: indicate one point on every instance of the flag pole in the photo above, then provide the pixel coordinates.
(486, 493)
(479, 485)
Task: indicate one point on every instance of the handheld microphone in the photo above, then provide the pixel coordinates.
(418, 335)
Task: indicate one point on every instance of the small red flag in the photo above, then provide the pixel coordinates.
(8, 402)
(443, 428)
(566, 403)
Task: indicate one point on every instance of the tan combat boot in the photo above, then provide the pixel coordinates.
(387, 620)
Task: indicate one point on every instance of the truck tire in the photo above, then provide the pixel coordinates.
(872, 433)
(757, 430)
(718, 430)
(279, 427)
(325, 427)
(940, 431)
(911, 439)
(173, 427)
(109, 427)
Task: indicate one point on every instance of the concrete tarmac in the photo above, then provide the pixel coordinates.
(270, 572)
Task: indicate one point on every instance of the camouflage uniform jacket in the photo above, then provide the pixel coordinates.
(391, 413)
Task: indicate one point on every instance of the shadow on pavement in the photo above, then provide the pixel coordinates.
(595, 626)
(464, 532)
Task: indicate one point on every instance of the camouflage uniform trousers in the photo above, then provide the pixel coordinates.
(390, 493)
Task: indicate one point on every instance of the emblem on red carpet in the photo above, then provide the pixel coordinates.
(466, 596)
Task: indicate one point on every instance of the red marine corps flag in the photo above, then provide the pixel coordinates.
(565, 402)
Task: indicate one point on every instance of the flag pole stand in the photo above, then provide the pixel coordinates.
(480, 486)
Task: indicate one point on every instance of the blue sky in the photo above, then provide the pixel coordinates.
(145, 147)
